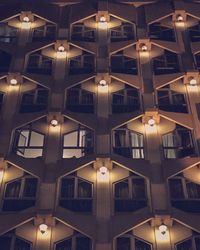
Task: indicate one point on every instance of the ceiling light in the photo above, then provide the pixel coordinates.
(179, 18)
(102, 19)
(13, 81)
(103, 170)
(26, 19)
(144, 47)
(103, 83)
(43, 228)
(61, 48)
(54, 122)
(192, 81)
(163, 228)
(151, 122)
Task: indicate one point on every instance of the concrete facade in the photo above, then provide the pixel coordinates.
(92, 84)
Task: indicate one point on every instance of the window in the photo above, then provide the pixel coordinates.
(83, 64)
(80, 100)
(8, 34)
(76, 242)
(126, 31)
(194, 33)
(178, 144)
(39, 64)
(192, 243)
(126, 100)
(44, 33)
(35, 100)
(1, 99)
(166, 64)
(81, 32)
(171, 101)
(76, 194)
(5, 60)
(185, 194)
(28, 143)
(78, 143)
(128, 143)
(123, 64)
(129, 242)
(158, 31)
(20, 193)
(130, 194)
(197, 60)
(10, 241)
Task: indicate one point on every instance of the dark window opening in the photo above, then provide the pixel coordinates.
(8, 34)
(35, 100)
(123, 64)
(124, 32)
(38, 64)
(44, 33)
(126, 100)
(20, 194)
(76, 194)
(81, 32)
(158, 31)
(79, 100)
(166, 64)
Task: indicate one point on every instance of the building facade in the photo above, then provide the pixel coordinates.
(100, 125)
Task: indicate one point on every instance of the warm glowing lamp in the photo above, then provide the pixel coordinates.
(43, 228)
(54, 123)
(13, 81)
(102, 83)
(61, 52)
(103, 24)
(162, 229)
(103, 170)
(179, 18)
(144, 47)
(151, 122)
(26, 24)
(192, 81)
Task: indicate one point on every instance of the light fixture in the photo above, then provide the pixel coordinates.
(102, 19)
(193, 81)
(26, 23)
(54, 122)
(103, 170)
(61, 48)
(179, 18)
(151, 122)
(163, 229)
(144, 47)
(43, 228)
(103, 24)
(102, 83)
(1, 174)
(13, 81)
(26, 19)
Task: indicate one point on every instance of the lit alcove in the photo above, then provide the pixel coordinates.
(77, 140)
(29, 140)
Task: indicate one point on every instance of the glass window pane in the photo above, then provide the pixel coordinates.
(30, 187)
(13, 189)
(71, 139)
(36, 139)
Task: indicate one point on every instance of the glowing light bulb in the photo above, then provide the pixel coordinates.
(13, 81)
(144, 47)
(61, 48)
(179, 18)
(103, 83)
(151, 122)
(192, 81)
(163, 229)
(26, 19)
(103, 170)
(43, 228)
(54, 122)
(102, 19)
